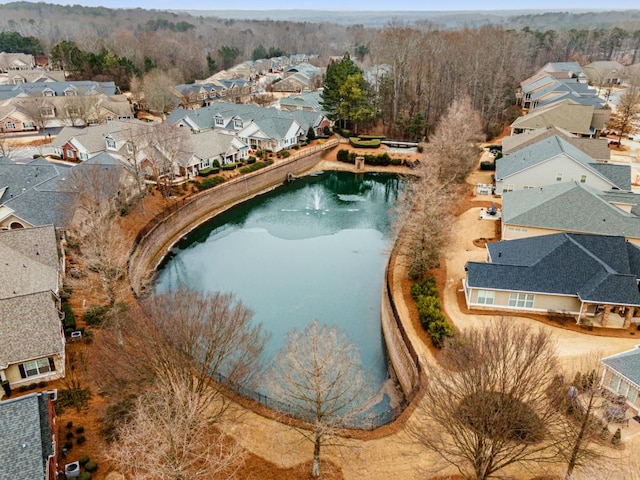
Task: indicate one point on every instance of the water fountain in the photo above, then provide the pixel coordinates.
(315, 197)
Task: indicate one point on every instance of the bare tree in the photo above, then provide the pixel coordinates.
(487, 405)
(166, 153)
(6, 147)
(624, 114)
(156, 90)
(201, 342)
(424, 212)
(168, 436)
(39, 110)
(583, 405)
(319, 376)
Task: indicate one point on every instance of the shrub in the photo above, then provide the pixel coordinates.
(343, 155)
(84, 476)
(215, 163)
(81, 439)
(357, 143)
(95, 314)
(326, 131)
(65, 293)
(425, 287)
(285, 153)
(6, 386)
(205, 172)
(69, 317)
(91, 466)
(229, 166)
(617, 437)
(22, 388)
(36, 155)
(372, 137)
(345, 133)
(295, 147)
(115, 416)
(83, 460)
(208, 183)
(32, 386)
(42, 384)
(396, 161)
(69, 435)
(311, 134)
(438, 331)
(251, 160)
(68, 445)
(255, 166)
(80, 430)
(69, 424)
(88, 337)
(420, 148)
(304, 144)
(487, 166)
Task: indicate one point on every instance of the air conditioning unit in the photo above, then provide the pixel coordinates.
(72, 470)
(53, 394)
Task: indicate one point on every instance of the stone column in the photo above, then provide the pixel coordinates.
(627, 317)
(359, 163)
(583, 313)
(605, 316)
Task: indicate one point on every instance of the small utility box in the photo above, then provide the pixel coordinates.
(359, 163)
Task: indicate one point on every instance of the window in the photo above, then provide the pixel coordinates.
(507, 188)
(583, 179)
(9, 125)
(237, 123)
(28, 126)
(70, 93)
(614, 383)
(36, 367)
(528, 187)
(84, 156)
(558, 177)
(70, 154)
(521, 300)
(48, 93)
(111, 143)
(73, 111)
(632, 396)
(219, 122)
(486, 297)
(129, 149)
(47, 112)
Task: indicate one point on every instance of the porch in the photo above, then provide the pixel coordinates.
(606, 315)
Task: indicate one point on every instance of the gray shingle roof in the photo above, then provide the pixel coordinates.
(25, 437)
(626, 364)
(572, 207)
(85, 87)
(37, 192)
(547, 148)
(595, 268)
(565, 114)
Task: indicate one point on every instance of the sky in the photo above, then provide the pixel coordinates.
(351, 5)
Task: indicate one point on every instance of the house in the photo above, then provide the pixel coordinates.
(547, 90)
(34, 194)
(298, 78)
(28, 431)
(308, 101)
(33, 343)
(596, 148)
(16, 61)
(258, 127)
(581, 120)
(592, 277)
(201, 150)
(621, 376)
(120, 138)
(605, 73)
(554, 160)
(571, 207)
(16, 77)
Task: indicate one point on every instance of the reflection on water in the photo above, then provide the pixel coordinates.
(316, 248)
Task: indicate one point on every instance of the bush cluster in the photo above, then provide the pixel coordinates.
(256, 166)
(357, 142)
(205, 172)
(95, 314)
(251, 160)
(69, 318)
(284, 153)
(487, 165)
(229, 166)
(371, 137)
(209, 182)
(425, 294)
(382, 159)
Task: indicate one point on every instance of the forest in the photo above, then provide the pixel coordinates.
(414, 69)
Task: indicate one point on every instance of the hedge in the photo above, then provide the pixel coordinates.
(433, 321)
(255, 166)
(205, 172)
(357, 143)
(487, 165)
(209, 183)
(284, 153)
(372, 137)
(229, 166)
(69, 317)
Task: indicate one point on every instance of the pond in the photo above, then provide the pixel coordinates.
(316, 248)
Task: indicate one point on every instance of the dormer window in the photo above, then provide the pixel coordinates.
(111, 143)
(129, 149)
(73, 111)
(237, 123)
(47, 112)
(219, 121)
(71, 92)
(48, 93)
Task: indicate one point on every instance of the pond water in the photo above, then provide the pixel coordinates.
(316, 248)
